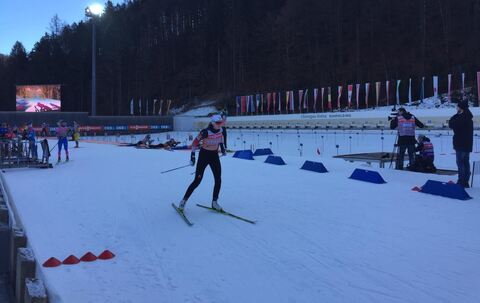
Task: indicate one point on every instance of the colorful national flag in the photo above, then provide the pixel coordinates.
(388, 91)
(435, 86)
(168, 106)
(478, 85)
(339, 97)
(357, 91)
(300, 99)
(329, 98)
(449, 87)
(274, 100)
(398, 91)
(257, 99)
(367, 91)
(422, 89)
(350, 92)
(238, 102)
(292, 101)
(269, 100)
(305, 100)
(279, 102)
(321, 97)
(244, 105)
(410, 90)
(378, 86)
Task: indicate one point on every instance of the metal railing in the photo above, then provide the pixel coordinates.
(16, 153)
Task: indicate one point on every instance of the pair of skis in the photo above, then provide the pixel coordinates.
(62, 162)
(182, 214)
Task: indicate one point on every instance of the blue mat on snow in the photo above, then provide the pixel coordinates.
(317, 167)
(275, 160)
(447, 190)
(367, 176)
(244, 154)
(263, 152)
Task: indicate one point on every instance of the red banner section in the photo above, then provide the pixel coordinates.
(91, 128)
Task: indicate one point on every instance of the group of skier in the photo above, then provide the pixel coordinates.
(27, 132)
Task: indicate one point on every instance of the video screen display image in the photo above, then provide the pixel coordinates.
(38, 98)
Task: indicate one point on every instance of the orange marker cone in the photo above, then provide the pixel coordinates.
(106, 255)
(88, 257)
(70, 260)
(52, 262)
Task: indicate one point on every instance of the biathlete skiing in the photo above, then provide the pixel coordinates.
(208, 141)
(62, 134)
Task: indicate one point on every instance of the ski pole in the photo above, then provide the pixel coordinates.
(175, 168)
(54, 147)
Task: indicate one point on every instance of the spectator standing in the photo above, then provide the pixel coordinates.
(462, 125)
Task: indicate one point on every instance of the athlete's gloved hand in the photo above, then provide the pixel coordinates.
(192, 159)
(224, 154)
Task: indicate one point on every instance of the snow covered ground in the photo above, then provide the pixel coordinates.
(319, 237)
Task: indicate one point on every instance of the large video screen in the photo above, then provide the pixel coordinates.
(38, 98)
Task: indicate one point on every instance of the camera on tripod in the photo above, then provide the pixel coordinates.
(393, 115)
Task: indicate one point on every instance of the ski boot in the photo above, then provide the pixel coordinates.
(181, 205)
(216, 206)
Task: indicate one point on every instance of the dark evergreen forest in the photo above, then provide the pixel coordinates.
(188, 50)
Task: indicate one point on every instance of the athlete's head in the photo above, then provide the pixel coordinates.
(217, 121)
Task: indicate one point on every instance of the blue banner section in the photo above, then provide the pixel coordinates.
(163, 127)
(109, 128)
(121, 127)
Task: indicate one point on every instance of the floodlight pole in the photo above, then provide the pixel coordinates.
(94, 68)
(92, 16)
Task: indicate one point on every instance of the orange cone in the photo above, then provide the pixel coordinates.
(52, 262)
(106, 255)
(70, 260)
(88, 257)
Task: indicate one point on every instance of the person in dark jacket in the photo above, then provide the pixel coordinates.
(462, 125)
(405, 123)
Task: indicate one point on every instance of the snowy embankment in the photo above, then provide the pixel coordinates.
(319, 237)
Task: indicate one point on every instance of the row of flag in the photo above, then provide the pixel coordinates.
(154, 109)
(299, 101)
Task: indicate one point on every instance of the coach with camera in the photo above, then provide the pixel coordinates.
(405, 123)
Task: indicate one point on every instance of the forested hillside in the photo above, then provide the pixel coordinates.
(189, 49)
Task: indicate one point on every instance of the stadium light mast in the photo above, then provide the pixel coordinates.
(94, 11)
